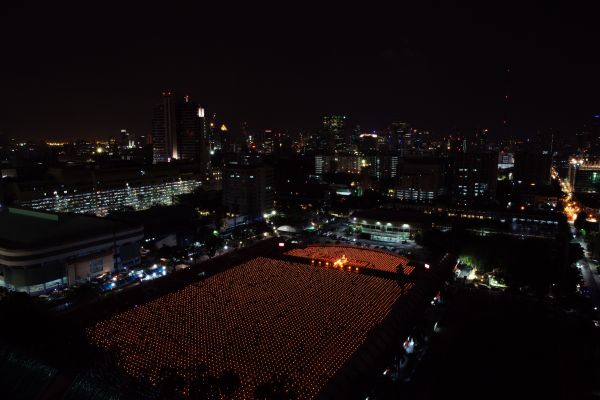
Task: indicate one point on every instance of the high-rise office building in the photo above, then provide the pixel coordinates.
(380, 166)
(533, 161)
(399, 135)
(334, 164)
(333, 128)
(190, 130)
(213, 138)
(178, 130)
(474, 177)
(478, 141)
(248, 188)
(164, 130)
(421, 179)
(127, 140)
(368, 143)
(355, 135)
(532, 168)
(506, 160)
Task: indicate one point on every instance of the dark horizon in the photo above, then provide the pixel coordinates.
(84, 72)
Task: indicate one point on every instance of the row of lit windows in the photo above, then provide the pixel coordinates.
(101, 202)
(412, 194)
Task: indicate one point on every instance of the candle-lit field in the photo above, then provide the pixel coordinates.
(261, 319)
(356, 257)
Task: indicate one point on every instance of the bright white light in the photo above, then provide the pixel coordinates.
(201, 112)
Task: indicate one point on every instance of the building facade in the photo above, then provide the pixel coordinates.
(98, 191)
(474, 177)
(421, 179)
(389, 225)
(248, 189)
(179, 130)
(41, 251)
(333, 128)
(164, 130)
(584, 176)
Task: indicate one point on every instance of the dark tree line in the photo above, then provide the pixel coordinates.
(521, 262)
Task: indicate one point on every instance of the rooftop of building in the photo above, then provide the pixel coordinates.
(388, 215)
(26, 229)
(94, 173)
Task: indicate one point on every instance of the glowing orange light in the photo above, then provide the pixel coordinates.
(340, 262)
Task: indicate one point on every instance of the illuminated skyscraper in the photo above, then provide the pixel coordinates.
(474, 177)
(126, 140)
(214, 142)
(333, 127)
(164, 130)
(191, 130)
(178, 130)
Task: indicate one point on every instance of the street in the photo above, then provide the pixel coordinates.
(590, 277)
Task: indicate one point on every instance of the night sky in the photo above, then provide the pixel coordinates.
(89, 71)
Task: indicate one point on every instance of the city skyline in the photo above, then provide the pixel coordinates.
(299, 201)
(91, 72)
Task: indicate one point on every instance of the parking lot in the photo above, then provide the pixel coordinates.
(337, 232)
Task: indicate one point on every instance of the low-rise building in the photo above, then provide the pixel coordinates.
(390, 225)
(41, 251)
(90, 190)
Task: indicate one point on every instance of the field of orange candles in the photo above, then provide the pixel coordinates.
(262, 318)
(355, 257)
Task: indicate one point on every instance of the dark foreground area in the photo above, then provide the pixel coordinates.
(489, 344)
(496, 345)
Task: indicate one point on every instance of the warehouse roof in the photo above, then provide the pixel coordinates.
(25, 229)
